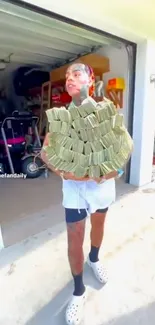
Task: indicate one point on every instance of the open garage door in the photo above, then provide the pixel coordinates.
(32, 36)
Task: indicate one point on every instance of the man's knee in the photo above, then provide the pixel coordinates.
(98, 218)
(75, 215)
(75, 232)
(102, 210)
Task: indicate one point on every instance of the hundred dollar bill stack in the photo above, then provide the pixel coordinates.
(90, 140)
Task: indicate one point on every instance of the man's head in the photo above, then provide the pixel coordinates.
(79, 78)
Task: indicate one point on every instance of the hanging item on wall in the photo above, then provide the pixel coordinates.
(60, 96)
(114, 91)
(99, 89)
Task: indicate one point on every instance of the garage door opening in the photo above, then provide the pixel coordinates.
(34, 48)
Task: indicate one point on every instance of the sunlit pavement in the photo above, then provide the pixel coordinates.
(35, 280)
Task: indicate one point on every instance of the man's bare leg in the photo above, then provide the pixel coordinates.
(96, 236)
(75, 234)
(97, 233)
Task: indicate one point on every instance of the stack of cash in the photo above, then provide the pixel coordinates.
(89, 140)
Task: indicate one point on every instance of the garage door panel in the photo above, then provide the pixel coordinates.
(30, 17)
(27, 28)
(8, 22)
(27, 32)
(31, 48)
(38, 42)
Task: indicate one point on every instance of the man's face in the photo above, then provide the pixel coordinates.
(76, 79)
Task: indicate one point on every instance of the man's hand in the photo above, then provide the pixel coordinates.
(49, 166)
(102, 179)
(46, 139)
(71, 176)
(44, 156)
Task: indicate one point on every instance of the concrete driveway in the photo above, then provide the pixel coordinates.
(35, 280)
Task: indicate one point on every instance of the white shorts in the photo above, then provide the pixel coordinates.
(88, 195)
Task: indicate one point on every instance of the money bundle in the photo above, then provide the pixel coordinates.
(89, 141)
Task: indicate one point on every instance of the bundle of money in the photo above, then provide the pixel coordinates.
(89, 140)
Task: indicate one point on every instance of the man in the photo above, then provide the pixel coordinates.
(82, 197)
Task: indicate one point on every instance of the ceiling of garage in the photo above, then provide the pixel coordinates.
(31, 38)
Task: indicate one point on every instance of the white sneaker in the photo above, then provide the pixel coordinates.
(99, 271)
(75, 310)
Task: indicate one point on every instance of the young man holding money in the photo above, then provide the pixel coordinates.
(82, 197)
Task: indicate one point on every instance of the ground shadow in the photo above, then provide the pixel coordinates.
(142, 316)
(11, 254)
(124, 189)
(53, 313)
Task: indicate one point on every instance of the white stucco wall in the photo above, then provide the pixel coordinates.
(115, 17)
(144, 107)
(118, 58)
(144, 115)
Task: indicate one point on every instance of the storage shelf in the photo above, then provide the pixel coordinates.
(99, 64)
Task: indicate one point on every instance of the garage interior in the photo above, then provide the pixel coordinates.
(34, 52)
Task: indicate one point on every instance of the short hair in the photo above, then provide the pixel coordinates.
(91, 74)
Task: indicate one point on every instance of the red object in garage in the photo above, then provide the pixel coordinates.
(62, 98)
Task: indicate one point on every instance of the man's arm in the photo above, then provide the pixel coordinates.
(44, 156)
(70, 176)
(62, 174)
